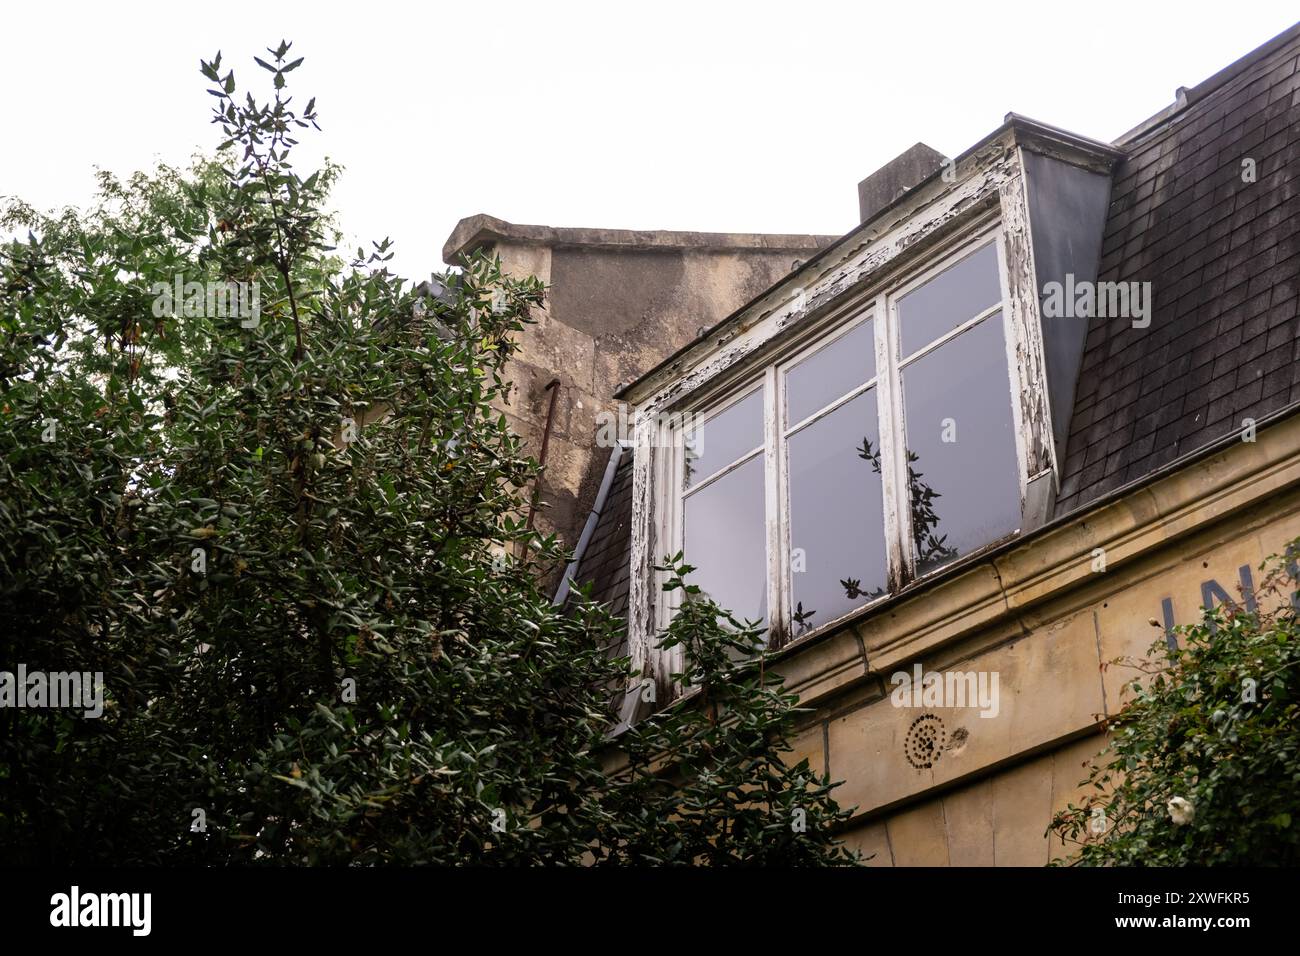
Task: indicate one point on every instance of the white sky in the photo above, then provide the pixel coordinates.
(704, 115)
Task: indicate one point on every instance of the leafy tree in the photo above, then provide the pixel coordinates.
(264, 488)
(711, 763)
(1203, 765)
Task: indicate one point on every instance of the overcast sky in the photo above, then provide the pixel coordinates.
(754, 117)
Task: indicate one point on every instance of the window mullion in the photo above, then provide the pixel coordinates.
(893, 457)
(778, 524)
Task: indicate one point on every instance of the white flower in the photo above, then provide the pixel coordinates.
(1181, 811)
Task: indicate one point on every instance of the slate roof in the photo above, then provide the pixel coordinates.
(607, 560)
(1223, 259)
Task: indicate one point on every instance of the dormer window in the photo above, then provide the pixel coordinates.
(872, 451)
(891, 412)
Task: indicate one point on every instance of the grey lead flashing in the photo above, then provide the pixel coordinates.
(611, 468)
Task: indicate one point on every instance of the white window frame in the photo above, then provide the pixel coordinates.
(784, 430)
(898, 432)
(677, 480)
(881, 307)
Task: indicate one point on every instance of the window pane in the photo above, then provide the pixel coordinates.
(963, 478)
(837, 532)
(724, 437)
(958, 293)
(726, 540)
(830, 372)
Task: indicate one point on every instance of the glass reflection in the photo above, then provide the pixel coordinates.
(726, 540)
(837, 529)
(957, 294)
(830, 372)
(965, 492)
(724, 437)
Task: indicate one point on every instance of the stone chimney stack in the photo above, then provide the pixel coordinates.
(895, 178)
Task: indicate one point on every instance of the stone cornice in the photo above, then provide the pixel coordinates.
(473, 232)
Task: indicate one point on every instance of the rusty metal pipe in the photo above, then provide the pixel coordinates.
(553, 386)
